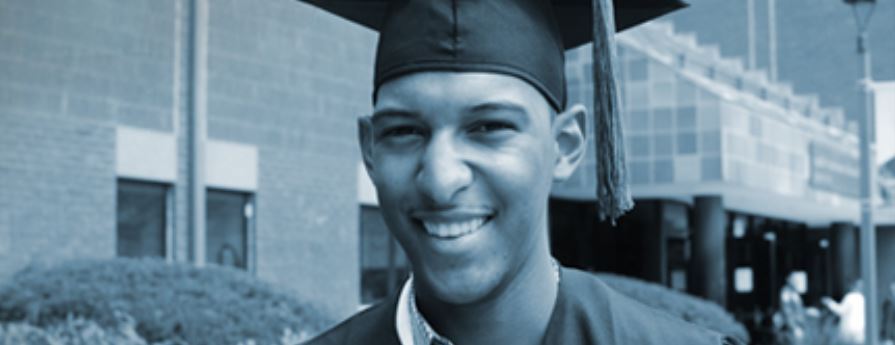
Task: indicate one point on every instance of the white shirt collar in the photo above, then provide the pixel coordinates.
(403, 325)
(412, 327)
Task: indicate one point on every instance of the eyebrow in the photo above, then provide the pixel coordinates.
(484, 107)
(379, 115)
(497, 105)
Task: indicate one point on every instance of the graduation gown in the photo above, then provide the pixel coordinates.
(587, 311)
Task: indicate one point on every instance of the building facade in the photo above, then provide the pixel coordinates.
(94, 123)
(809, 44)
(738, 181)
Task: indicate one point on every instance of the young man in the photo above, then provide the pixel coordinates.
(470, 129)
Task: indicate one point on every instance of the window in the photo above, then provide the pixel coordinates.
(711, 169)
(663, 171)
(383, 264)
(686, 118)
(663, 118)
(663, 145)
(638, 69)
(637, 95)
(639, 120)
(227, 223)
(142, 219)
(742, 280)
(686, 143)
(640, 171)
(639, 145)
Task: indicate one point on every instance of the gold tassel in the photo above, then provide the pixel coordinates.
(613, 196)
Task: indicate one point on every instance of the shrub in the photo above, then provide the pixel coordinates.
(72, 331)
(168, 302)
(692, 309)
(23, 333)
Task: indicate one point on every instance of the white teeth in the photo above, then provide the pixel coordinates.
(453, 229)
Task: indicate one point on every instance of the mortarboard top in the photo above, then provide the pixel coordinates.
(522, 38)
(574, 16)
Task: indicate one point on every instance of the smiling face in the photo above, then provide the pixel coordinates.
(463, 164)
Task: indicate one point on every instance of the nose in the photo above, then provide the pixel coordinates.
(442, 171)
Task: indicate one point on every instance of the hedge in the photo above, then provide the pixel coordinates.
(692, 309)
(168, 301)
(73, 331)
(179, 303)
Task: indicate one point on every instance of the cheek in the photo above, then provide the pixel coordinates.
(392, 178)
(526, 178)
(522, 187)
(523, 173)
(391, 189)
(393, 173)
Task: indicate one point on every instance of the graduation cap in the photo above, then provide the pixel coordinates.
(522, 38)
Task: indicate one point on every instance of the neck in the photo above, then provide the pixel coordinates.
(518, 313)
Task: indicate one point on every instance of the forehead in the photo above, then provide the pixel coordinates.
(442, 90)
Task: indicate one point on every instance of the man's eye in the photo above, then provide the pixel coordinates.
(400, 131)
(490, 127)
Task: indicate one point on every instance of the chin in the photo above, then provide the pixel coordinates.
(460, 287)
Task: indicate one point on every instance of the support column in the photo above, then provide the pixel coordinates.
(844, 251)
(664, 219)
(653, 242)
(198, 127)
(707, 263)
(772, 39)
(750, 39)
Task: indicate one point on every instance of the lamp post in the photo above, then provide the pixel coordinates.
(863, 10)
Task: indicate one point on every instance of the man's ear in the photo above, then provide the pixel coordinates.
(365, 138)
(568, 135)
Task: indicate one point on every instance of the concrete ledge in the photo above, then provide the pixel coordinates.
(145, 154)
(231, 166)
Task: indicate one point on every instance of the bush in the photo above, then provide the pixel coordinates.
(72, 331)
(80, 331)
(23, 333)
(692, 309)
(168, 302)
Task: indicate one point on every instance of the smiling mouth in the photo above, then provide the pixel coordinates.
(454, 229)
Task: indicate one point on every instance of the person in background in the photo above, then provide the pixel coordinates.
(887, 328)
(851, 314)
(228, 256)
(792, 311)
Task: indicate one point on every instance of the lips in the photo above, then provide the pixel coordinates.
(453, 229)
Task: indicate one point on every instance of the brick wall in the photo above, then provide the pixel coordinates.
(283, 77)
(58, 196)
(69, 71)
(292, 80)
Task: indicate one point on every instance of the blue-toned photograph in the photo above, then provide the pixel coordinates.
(447, 172)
